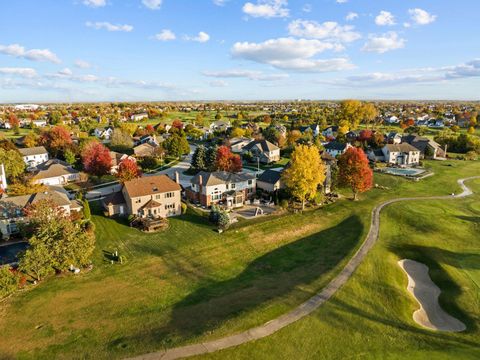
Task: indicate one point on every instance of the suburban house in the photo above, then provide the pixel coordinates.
(427, 147)
(117, 158)
(238, 144)
(220, 125)
(102, 133)
(34, 156)
(230, 189)
(144, 150)
(330, 131)
(12, 208)
(336, 148)
(263, 150)
(146, 197)
(315, 129)
(39, 122)
(55, 172)
(270, 181)
(138, 117)
(147, 139)
(394, 138)
(401, 154)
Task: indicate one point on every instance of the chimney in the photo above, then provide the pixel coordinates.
(177, 177)
(200, 180)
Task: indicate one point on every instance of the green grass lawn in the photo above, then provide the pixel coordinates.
(191, 283)
(371, 316)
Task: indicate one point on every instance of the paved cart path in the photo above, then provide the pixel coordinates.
(307, 307)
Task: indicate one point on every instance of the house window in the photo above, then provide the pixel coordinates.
(158, 196)
(169, 195)
(233, 186)
(169, 206)
(250, 182)
(138, 201)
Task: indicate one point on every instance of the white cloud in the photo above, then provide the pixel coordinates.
(247, 74)
(202, 37)
(407, 25)
(220, 2)
(33, 54)
(351, 16)
(329, 30)
(421, 17)
(341, 1)
(152, 4)
(383, 43)
(385, 18)
(82, 64)
(267, 8)
(291, 54)
(108, 26)
(165, 35)
(23, 72)
(307, 8)
(66, 72)
(218, 83)
(95, 3)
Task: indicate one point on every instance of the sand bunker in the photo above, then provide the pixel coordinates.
(421, 286)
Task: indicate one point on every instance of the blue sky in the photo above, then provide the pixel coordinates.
(139, 50)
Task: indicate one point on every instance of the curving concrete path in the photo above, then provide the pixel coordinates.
(426, 292)
(307, 307)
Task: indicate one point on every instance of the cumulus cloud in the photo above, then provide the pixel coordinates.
(19, 51)
(165, 35)
(291, 54)
(202, 37)
(351, 16)
(17, 71)
(421, 17)
(95, 3)
(383, 43)
(247, 74)
(152, 4)
(385, 18)
(329, 30)
(82, 64)
(267, 9)
(108, 26)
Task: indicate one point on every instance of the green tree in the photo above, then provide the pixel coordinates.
(177, 145)
(13, 163)
(69, 156)
(121, 140)
(199, 158)
(8, 281)
(211, 158)
(305, 174)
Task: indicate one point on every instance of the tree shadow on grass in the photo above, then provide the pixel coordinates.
(271, 276)
(433, 257)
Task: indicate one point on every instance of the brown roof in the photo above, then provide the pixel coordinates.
(37, 150)
(144, 150)
(149, 185)
(151, 204)
(54, 168)
(403, 147)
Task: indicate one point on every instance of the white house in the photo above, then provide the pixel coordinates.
(263, 150)
(392, 120)
(220, 125)
(402, 154)
(101, 133)
(34, 156)
(138, 117)
(55, 172)
(237, 144)
(39, 122)
(315, 129)
(335, 148)
(230, 189)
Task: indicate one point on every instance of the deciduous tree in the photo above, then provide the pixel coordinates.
(354, 171)
(227, 161)
(56, 140)
(128, 170)
(305, 174)
(96, 159)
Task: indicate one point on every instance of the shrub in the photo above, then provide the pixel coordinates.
(184, 208)
(223, 220)
(471, 155)
(8, 281)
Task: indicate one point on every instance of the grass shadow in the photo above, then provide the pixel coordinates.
(271, 276)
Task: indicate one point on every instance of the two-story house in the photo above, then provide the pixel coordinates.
(263, 150)
(12, 208)
(230, 189)
(146, 197)
(402, 154)
(336, 148)
(34, 156)
(55, 172)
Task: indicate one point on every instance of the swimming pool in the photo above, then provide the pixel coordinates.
(8, 253)
(404, 171)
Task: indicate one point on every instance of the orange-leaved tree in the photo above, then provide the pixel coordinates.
(354, 171)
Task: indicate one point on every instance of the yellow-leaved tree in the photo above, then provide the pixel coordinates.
(305, 174)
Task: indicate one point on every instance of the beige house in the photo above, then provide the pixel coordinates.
(402, 154)
(12, 207)
(55, 172)
(147, 197)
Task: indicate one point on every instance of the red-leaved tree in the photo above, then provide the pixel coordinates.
(56, 140)
(365, 135)
(96, 159)
(128, 170)
(177, 124)
(226, 161)
(149, 129)
(354, 171)
(13, 120)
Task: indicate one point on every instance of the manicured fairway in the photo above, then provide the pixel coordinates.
(190, 283)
